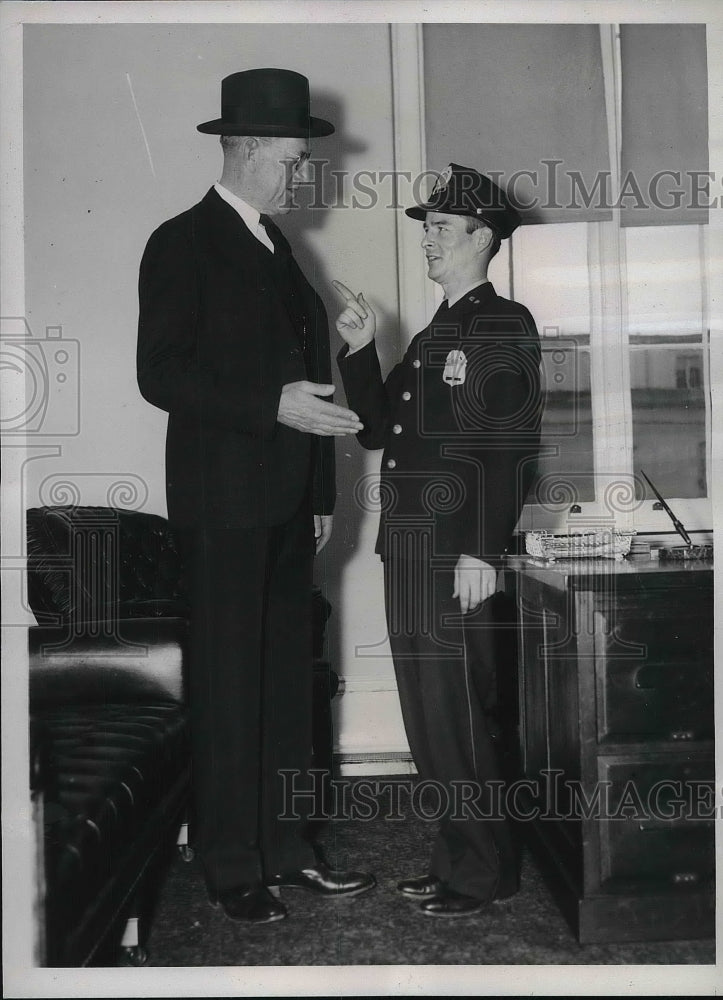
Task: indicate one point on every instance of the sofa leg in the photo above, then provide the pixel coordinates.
(132, 951)
(132, 944)
(184, 848)
(135, 956)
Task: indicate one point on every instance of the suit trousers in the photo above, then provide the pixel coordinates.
(446, 676)
(250, 695)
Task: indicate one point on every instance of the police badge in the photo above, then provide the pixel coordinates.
(455, 368)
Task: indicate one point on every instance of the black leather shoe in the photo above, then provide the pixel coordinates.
(249, 904)
(325, 881)
(449, 903)
(420, 887)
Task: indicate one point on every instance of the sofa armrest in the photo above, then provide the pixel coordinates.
(143, 659)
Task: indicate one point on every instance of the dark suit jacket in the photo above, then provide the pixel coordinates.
(458, 459)
(223, 325)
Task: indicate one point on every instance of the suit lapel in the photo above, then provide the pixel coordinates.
(234, 235)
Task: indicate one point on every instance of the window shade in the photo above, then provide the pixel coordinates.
(508, 98)
(664, 124)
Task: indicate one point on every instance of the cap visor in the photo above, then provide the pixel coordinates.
(418, 212)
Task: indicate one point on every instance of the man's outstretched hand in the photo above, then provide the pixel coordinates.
(301, 408)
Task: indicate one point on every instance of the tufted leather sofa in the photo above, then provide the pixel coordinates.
(109, 732)
(109, 729)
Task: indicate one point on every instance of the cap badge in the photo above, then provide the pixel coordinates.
(455, 368)
(442, 181)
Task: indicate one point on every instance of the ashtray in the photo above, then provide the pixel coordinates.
(687, 553)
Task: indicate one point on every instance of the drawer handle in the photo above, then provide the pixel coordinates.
(682, 734)
(685, 878)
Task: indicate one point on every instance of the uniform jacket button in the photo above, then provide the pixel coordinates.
(397, 429)
(391, 463)
(417, 363)
(406, 396)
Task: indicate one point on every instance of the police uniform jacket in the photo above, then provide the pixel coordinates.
(459, 421)
(224, 324)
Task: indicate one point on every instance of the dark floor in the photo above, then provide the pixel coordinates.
(382, 928)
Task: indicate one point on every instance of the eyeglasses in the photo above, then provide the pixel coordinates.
(295, 161)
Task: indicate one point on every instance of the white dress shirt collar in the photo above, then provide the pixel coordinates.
(247, 212)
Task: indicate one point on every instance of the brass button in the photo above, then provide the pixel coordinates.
(406, 396)
(417, 363)
(397, 429)
(391, 464)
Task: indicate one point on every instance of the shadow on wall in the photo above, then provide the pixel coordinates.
(351, 460)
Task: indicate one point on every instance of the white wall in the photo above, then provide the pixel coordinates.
(111, 150)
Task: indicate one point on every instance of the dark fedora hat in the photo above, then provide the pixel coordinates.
(465, 191)
(268, 102)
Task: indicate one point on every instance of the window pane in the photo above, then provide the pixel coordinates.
(551, 277)
(667, 360)
(566, 463)
(664, 287)
(668, 395)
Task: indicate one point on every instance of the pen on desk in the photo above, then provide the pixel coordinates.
(676, 523)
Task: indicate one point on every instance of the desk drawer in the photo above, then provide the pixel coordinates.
(659, 822)
(656, 700)
(655, 678)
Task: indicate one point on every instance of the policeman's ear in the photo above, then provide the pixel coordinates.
(485, 237)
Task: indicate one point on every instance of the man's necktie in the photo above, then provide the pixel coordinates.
(264, 232)
(282, 267)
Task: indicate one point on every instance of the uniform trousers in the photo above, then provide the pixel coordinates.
(250, 696)
(446, 676)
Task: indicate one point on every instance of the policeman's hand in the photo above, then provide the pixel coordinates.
(357, 324)
(323, 524)
(301, 408)
(474, 581)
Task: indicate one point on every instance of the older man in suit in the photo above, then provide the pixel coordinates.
(233, 344)
(459, 421)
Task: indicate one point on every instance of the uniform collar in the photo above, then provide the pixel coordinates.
(469, 301)
(460, 295)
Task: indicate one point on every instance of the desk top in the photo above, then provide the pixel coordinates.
(631, 573)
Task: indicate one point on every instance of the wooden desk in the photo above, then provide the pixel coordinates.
(616, 729)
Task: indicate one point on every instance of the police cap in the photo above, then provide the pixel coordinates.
(464, 191)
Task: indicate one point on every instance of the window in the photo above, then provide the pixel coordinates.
(642, 363)
(622, 307)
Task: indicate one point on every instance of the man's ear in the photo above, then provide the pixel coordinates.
(251, 147)
(484, 238)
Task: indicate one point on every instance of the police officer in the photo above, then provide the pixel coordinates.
(459, 420)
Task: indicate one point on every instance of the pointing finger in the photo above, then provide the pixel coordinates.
(344, 291)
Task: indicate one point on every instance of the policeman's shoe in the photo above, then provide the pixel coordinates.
(420, 887)
(249, 904)
(325, 881)
(449, 903)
